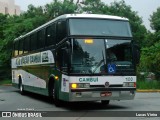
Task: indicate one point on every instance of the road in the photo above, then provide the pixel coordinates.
(12, 100)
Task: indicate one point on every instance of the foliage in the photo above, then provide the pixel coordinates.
(2, 23)
(155, 20)
(6, 82)
(150, 58)
(58, 8)
(148, 84)
(150, 55)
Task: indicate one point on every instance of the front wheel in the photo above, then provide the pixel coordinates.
(105, 102)
(57, 102)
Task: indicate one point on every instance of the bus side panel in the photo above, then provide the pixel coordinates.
(37, 90)
(15, 80)
(31, 80)
(64, 88)
(34, 70)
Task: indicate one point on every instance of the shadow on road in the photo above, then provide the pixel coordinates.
(73, 106)
(76, 106)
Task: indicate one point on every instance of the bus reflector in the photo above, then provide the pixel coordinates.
(73, 85)
(88, 41)
(56, 77)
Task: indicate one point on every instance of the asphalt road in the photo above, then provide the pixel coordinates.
(12, 100)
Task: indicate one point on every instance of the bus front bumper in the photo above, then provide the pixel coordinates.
(97, 94)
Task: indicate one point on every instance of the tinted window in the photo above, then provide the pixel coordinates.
(33, 41)
(26, 44)
(41, 39)
(99, 27)
(21, 47)
(61, 30)
(62, 58)
(50, 35)
(16, 48)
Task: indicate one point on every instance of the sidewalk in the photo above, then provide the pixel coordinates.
(6, 85)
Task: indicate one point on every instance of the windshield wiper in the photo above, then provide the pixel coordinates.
(103, 60)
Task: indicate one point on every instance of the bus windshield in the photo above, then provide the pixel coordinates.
(100, 27)
(88, 55)
(93, 56)
(119, 53)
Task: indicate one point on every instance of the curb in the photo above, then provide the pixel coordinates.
(144, 91)
(7, 85)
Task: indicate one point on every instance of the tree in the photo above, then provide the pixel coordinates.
(94, 7)
(150, 56)
(155, 20)
(58, 8)
(3, 19)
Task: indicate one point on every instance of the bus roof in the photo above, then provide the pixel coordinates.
(99, 16)
(65, 16)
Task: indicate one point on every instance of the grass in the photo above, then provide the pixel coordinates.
(141, 84)
(7, 81)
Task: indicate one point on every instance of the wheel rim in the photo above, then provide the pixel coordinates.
(21, 89)
(53, 93)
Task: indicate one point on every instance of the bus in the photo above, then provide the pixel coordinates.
(77, 57)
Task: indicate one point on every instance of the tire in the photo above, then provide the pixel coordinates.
(21, 89)
(54, 96)
(105, 102)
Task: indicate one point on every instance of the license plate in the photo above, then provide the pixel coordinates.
(104, 94)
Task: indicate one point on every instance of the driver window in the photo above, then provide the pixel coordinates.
(62, 57)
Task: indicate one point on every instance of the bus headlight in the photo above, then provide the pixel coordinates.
(129, 84)
(74, 85)
(80, 85)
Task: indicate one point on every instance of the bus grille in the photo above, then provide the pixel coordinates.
(101, 86)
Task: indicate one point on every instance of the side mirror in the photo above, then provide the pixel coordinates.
(136, 53)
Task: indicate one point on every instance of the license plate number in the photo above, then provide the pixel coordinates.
(104, 94)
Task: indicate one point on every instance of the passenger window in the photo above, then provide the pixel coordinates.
(50, 35)
(61, 31)
(16, 48)
(41, 39)
(33, 41)
(21, 47)
(26, 44)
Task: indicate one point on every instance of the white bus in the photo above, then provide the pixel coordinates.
(77, 57)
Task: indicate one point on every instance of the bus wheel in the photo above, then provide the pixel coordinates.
(57, 102)
(21, 87)
(105, 102)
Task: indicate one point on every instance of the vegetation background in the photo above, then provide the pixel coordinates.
(149, 42)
